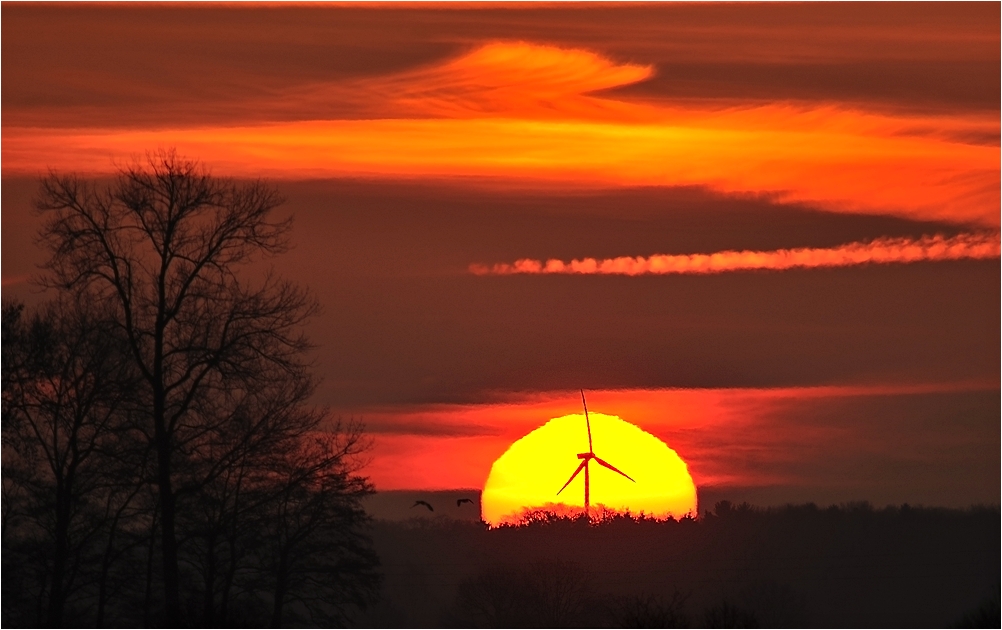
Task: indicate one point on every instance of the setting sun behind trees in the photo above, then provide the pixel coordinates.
(529, 474)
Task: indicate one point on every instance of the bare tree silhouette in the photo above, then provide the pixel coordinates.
(160, 250)
(65, 405)
(321, 562)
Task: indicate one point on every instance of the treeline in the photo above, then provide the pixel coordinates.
(162, 464)
(738, 566)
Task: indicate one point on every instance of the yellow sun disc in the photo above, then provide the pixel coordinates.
(532, 470)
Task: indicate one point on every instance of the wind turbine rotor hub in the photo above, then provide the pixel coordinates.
(586, 455)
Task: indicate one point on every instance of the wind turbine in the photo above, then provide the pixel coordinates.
(587, 457)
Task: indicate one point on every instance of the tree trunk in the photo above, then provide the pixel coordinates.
(164, 446)
(102, 587)
(230, 537)
(168, 540)
(281, 579)
(102, 593)
(231, 570)
(148, 595)
(208, 619)
(57, 598)
(40, 602)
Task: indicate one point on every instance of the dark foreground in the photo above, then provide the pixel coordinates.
(802, 566)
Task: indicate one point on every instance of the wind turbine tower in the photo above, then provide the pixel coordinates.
(585, 459)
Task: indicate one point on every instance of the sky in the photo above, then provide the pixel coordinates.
(766, 233)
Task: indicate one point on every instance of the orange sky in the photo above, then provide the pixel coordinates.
(753, 438)
(526, 110)
(790, 145)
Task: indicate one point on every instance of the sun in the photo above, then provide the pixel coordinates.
(533, 469)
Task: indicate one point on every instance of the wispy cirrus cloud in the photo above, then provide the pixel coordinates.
(509, 79)
(879, 251)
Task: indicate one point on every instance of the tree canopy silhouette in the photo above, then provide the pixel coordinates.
(220, 379)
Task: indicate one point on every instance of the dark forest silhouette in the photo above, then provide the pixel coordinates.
(161, 462)
(736, 566)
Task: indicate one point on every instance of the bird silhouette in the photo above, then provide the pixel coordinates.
(424, 503)
(460, 502)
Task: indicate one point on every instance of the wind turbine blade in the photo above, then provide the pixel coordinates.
(584, 463)
(587, 421)
(602, 462)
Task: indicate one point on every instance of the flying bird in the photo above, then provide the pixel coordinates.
(424, 503)
(460, 502)
(585, 459)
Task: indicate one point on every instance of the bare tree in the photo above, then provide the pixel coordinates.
(235, 476)
(315, 548)
(65, 403)
(161, 250)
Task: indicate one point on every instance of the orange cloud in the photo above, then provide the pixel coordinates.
(880, 251)
(509, 79)
(525, 112)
